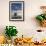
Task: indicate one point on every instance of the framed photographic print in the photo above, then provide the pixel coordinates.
(16, 10)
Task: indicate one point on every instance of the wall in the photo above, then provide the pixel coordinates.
(30, 25)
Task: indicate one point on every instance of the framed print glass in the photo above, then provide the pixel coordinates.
(16, 10)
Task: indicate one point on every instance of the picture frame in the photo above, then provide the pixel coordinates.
(16, 10)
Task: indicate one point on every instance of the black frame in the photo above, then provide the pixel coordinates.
(9, 10)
